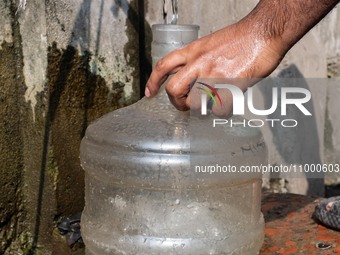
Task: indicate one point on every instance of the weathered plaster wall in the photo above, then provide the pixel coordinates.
(106, 29)
(63, 64)
(32, 24)
(11, 162)
(329, 32)
(332, 134)
(10, 149)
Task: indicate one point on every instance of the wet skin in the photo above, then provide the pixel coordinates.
(247, 50)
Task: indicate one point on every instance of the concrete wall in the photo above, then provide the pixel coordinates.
(65, 63)
(329, 30)
(329, 33)
(11, 163)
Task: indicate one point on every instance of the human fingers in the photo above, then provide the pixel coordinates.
(224, 107)
(171, 63)
(219, 93)
(236, 87)
(178, 87)
(216, 100)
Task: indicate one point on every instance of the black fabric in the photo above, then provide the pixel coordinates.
(330, 218)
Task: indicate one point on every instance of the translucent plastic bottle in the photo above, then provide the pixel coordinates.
(143, 198)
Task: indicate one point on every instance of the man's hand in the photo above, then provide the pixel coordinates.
(250, 49)
(234, 52)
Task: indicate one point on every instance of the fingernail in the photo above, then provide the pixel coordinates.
(147, 92)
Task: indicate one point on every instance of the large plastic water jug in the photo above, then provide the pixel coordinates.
(142, 196)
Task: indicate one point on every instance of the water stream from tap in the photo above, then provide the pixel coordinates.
(174, 9)
(174, 12)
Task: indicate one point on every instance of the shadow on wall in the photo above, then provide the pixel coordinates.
(77, 97)
(299, 145)
(144, 31)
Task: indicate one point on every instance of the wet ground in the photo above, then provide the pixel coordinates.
(290, 228)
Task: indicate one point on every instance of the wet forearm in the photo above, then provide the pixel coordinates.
(286, 21)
